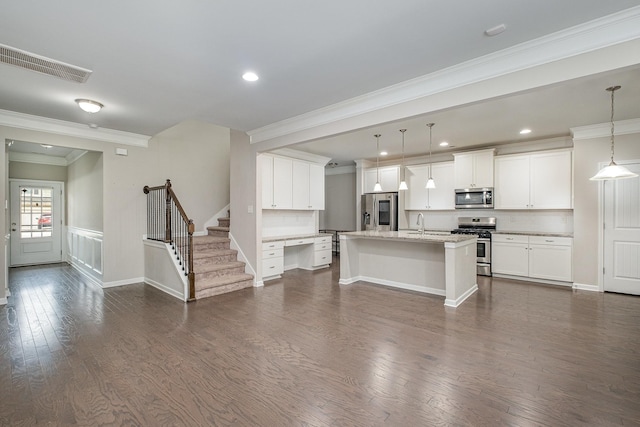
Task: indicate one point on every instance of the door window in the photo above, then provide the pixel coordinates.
(36, 216)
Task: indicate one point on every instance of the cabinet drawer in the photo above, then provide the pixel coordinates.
(322, 246)
(548, 240)
(322, 257)
(272, 245)
(509, 238)
(296, 242)
(323, 239)
(273, 253)
(272, 266)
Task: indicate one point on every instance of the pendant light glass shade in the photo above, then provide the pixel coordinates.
(613, 170)
(403, 183)
(377, 188)
(430, 182)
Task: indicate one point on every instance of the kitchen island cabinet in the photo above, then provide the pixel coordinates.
(437, 264)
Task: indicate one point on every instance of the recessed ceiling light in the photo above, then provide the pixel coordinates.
(383, 153)
(444, 144)
(250, 76)
(525, 131)
(89, 106)
(494, 31)
(47, 146)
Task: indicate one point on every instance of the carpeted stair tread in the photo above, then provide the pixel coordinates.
(205, 268)
(203, 240)
(222, 280)
(218, 228)
(209, 253)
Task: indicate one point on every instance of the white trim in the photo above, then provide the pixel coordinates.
(392, 283)
(597, 34)
(61, 127)
(534, 280)
(602, 130)
(40, 159)
(87, 276)
(456, 302)
(584, 287)
(74, 156)
(3, 301)
(123, 282)
(301, 155)
(340, 170)
(248, 268)
(159, 286)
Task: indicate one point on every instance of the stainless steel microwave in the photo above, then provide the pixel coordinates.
(474, 198)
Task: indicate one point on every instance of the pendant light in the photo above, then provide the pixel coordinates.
(613, 170)
(377, 187)
(430, 182)
(403, 184)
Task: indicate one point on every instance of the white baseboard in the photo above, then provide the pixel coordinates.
(391, 283)
(584, 287)
(3, 301)
(258, 284)
(533, 280)
(163, 288)
(92, 279)
(248, 268)
(455, 303)
(123, 282)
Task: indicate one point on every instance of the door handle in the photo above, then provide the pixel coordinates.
(13, 229)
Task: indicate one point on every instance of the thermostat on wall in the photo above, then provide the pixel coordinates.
(121, 151)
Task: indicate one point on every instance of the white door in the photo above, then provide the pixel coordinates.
(622, 234)
(36, 222)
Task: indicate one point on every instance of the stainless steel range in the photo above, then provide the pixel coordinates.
(481, 227)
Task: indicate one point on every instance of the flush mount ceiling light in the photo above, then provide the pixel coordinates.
(89, 106)
(613, 170)
(250, 76)
(383, 153)
(525, 131)
(430, 182)
(494, 31)
(403, 183)
(444, 144)
(46, 146)
(377, 187)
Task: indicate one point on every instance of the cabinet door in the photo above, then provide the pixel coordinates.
(512, 182)
(316, 187)
(300, 185)
(483, 169)
(370, 179)
(551, 181)
(389, 178)
(463, 170)
(416, 197)
(266, 173)
(510, 258)
(551, 262)
(282, 179)
(443, 196)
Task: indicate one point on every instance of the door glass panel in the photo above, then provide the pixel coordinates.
(384, 211)
(35, 212)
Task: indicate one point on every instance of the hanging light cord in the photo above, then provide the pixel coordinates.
(377, 157)
(612, 89)
(430, 126)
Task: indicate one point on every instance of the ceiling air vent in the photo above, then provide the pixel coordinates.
(20, 58)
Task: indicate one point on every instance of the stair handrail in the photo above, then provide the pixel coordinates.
(168, 222)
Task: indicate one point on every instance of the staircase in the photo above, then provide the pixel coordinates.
(216, 266)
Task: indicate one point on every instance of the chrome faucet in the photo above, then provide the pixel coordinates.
(420, 223)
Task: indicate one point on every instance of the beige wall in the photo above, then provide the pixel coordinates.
(85, 192)
(22, 170)
(194, 153)
(340, 202)
(587, 156)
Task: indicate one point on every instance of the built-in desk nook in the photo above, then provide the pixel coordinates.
(309, 252)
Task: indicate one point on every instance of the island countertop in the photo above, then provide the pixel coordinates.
(411, 236)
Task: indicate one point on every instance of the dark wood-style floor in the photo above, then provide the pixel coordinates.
(306, 351)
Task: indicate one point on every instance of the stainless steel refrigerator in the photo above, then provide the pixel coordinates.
(379, 211)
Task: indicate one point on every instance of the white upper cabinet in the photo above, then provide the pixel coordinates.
(308, 186)
(440, 198)
(534, 181)
(389, 178)
(291, 184)
(474, 169)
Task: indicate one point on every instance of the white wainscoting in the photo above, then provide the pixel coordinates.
(85, 252)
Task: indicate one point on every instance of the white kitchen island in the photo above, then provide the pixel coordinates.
(440, 264)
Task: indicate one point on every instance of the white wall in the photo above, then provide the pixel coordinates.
(195, 153)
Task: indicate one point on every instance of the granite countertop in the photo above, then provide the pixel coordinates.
(413, 236)
(297, 236)
(534, 233)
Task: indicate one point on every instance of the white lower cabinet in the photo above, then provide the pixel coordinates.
(272, 259)
(536, 257)
(322, 251)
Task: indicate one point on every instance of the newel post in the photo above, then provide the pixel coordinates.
(167, 228)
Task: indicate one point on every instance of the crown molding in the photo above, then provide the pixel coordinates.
(61, 127)
(601, 130)
(74, 156)
(301, 155)
(600, 33)
(340, 170)
(41, 159)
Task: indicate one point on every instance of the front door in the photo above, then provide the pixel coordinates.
(622, 234)
(36, 222)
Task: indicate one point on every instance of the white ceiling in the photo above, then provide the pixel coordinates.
(155, 66)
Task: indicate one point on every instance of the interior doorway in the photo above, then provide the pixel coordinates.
(36, 222)
(622, 233)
